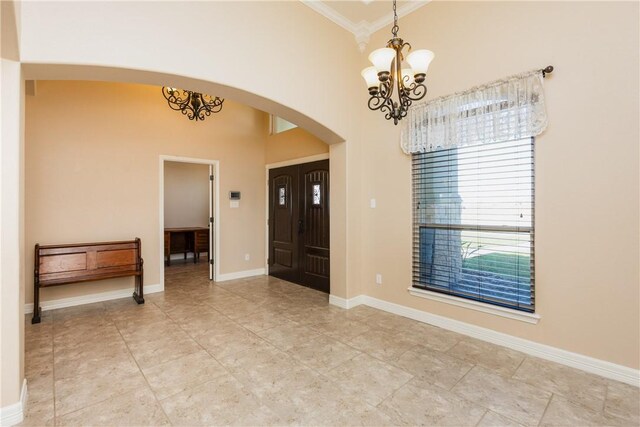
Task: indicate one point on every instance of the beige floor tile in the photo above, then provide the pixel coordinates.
(39, 414)
(288, 335)
(135, 408)
(412, 405)
(203, 323)
(154, 352)
(370, 379)
(390, 322)
(134, 318)
(259, 364)
(222, 401)
(178, 375)
(95, 362)
(491, 419)
(578, 386)
(562, 412)
(38, 364)
(323, 403)
(40, 388)
(510, 398)
(180, 312)
(150, 331)
(37, 334)
(382, 345)
(159, 343)
(342, 329)
(304, 314)
(79, 392)
(74, 332)
(262, 320)
(275, 378)
(238, 310)
(623, 401)
(323, 353)
(71, 353)
(322, 366)
(85, 311)
(361, 312)
(230, 341)
(433, 367)
(435, 338)
(499, 359)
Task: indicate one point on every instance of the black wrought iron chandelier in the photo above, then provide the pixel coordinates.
(387, 74)
(196, 106)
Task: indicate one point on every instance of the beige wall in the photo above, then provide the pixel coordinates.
(186, 194)
(90, 180)
(77, 41)
(12, 264)
(293, 144)
(587, 194)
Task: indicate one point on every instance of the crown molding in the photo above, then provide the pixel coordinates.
(362, 30)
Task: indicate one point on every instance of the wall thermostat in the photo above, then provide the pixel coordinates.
(234, 195)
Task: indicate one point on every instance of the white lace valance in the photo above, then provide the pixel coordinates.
(507, 109)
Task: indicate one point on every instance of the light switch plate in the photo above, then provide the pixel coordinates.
(234, 204)
(372, 203)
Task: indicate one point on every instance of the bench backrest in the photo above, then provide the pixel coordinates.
(61, 264)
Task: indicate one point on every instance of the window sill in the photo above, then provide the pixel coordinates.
(509, 313)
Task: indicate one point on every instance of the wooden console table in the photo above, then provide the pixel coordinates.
(184, 240)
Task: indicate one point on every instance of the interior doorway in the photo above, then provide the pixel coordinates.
(188, 210)
(298, 217)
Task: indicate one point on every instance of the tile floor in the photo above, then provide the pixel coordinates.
(262, 351)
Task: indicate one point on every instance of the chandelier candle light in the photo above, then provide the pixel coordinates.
(194, 105)
(387, 74)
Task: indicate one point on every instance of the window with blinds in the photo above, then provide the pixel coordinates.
(473, 222)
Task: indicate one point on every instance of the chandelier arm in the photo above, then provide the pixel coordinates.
(176, 103)
(416, 92)
(188, 111)
(377, 101)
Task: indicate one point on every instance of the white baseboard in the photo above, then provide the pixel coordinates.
(14, 414)
(346, 303)
(586, 363)
(240, 274)
(91, 298)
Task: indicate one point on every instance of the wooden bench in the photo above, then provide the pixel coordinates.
(83, 262)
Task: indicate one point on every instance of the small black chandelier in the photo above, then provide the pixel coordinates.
(387, 74)
(196, 106)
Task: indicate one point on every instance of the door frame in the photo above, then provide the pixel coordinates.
(298, 161)
(216, 214)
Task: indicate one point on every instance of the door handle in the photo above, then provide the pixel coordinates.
(300, 227)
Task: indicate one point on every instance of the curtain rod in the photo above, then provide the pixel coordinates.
(547, 70)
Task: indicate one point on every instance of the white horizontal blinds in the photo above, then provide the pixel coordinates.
(473, 222)
(473, 190)
(507, 109)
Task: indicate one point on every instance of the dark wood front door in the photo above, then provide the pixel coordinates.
(299, 224)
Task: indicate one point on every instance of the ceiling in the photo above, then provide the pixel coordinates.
(363, 17)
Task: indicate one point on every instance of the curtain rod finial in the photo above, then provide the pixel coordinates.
(547, 70)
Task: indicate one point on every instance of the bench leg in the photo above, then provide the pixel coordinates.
(138, 294)
(36, 303)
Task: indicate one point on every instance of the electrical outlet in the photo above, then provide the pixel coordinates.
(378, 279)
(247, 257)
